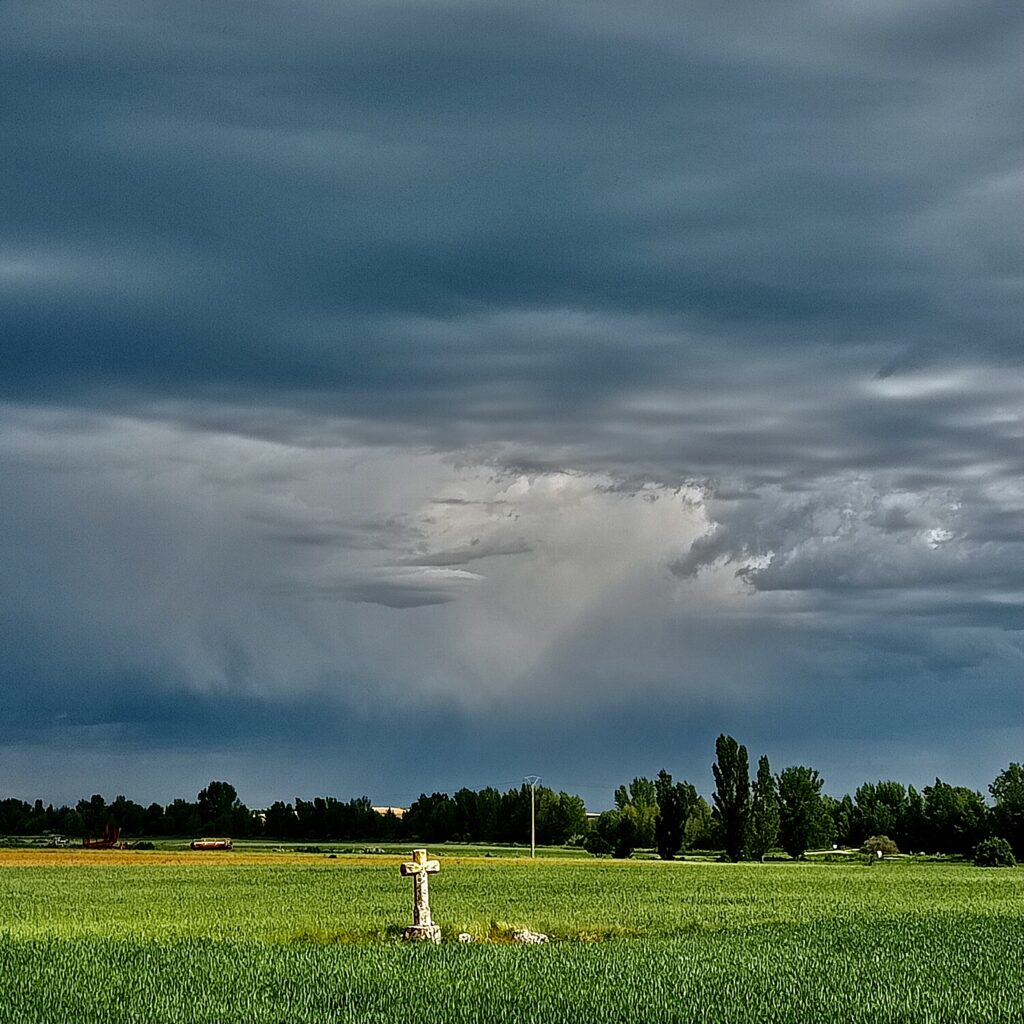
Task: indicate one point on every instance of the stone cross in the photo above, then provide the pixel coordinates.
(423, 929)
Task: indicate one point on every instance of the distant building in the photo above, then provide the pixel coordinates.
(398, 812)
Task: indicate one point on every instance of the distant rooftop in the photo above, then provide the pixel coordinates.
(398, 812)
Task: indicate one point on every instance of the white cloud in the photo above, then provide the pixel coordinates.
(216, 562)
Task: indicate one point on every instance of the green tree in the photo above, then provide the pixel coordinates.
(639, 802)
(281, 822)
(38, 819)
(878, 807)
(559, 816)
(702, 830)
(568, 818)
(804, 821)
(488, 809)
(625, 836)
(843, 814)
(881, 809)
(129, 816)
(430, 819)
(676, 801)
(467, 815)
(1008, 814)
(763, 827)
(73, 825)
(913, 831)
(994, 852)
(641, 792)
(514, 815)
(220, 810)
(879, 846)
(14, 815)
(154, 812)
(618, 830)
(732, 794)
(94, 814)
(957, 818)
(180, 819)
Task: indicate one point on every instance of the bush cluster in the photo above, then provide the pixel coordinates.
(994, 852)
(876, 844)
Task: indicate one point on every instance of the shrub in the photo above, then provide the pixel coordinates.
(994, 852)
(597, 846)
(874, 844)
(625, 839)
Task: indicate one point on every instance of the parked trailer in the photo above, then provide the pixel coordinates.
(211, 844)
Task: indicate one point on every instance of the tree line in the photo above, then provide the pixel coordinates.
(746, 818)
(790, 811)
(215, 811)
(485, 815)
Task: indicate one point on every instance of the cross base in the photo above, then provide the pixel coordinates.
(422, 933)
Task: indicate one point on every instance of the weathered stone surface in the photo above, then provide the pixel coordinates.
(524, 935)
(422, 933)
(423, 928)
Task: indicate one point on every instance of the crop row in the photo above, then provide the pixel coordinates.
(277, 902)
(176, 940)
(885, 971)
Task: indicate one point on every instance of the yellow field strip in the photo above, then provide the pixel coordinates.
(165, 858)
(75, 858)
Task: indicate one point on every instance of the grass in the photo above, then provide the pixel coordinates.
(162, 936)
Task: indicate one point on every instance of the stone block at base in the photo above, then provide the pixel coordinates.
(422, 933)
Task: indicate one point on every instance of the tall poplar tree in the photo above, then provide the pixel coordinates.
(732, 794)
(763, 833)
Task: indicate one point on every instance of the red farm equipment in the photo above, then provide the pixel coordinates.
(110, 840)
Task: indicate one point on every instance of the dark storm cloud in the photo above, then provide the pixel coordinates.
(306, 197)
(768, 253)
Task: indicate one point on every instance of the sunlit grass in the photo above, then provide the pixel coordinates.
(116, 936)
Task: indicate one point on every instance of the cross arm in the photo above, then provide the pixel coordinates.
(431, 867)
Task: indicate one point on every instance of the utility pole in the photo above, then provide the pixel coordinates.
(531, 781)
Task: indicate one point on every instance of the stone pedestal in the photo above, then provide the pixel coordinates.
(422, 933)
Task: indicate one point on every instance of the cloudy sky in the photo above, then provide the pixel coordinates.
(401, 396)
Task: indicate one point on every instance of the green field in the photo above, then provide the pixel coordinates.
(259, 937)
